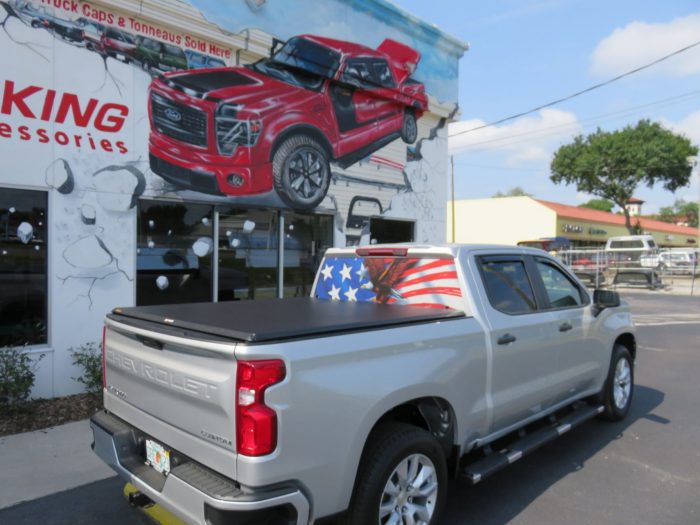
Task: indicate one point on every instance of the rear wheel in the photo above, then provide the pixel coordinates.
(402, 479)
(301, 172)
(409, 128)
(616, 395)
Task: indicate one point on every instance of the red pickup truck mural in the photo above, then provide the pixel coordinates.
(280, 122)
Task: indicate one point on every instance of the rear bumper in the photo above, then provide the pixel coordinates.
(191, 491)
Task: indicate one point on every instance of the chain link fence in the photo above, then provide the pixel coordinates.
(677, 270)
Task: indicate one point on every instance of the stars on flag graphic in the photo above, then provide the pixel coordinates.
(419, 282)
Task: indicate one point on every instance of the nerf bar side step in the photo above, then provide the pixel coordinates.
(485, 467)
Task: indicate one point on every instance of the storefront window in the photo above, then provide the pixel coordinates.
(386, 231)
(174, 253)
(306, 238)
(23, 267)
(247, 254)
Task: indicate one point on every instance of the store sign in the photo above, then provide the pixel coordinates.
(572, 228)
(49, 107)
(597, 231)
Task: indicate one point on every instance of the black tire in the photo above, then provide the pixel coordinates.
(392, 445)
(409, 128)
(301, 172)
(614, 409)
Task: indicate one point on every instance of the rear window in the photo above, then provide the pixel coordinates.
(626, 245)
(508, 287)
(174, 51)
(427, 282)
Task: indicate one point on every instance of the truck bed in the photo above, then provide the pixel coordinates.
(269, 320)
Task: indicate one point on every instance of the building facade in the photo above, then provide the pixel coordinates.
(509, 220)
(161, 151)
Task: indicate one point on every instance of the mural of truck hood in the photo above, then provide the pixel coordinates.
(238, 85)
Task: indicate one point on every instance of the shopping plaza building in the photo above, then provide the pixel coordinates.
(509, 220)
(160, 151)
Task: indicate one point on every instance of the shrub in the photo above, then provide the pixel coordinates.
(89, 357)
(17, 375)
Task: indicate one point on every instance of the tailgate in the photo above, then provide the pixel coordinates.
(188, 384)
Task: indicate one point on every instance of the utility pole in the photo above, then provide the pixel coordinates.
(693, 163)
(452, 161)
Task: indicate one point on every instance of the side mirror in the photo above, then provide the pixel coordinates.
(603, 299)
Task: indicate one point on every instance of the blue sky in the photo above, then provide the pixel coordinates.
(528, 52)
(355, 21)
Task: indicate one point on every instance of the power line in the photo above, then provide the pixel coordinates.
(586, 122)
(582, 92)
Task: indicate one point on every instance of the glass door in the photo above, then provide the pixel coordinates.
(306, 239)
(247, 254)
(174, 253)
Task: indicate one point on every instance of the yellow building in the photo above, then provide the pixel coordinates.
(509, 220)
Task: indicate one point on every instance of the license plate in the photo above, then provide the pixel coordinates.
(157, 457)
(121, 57)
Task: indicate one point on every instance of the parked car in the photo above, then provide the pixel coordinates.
(92, 32)
(278, 123)
(153, 54)
(41, 17)
(628, 251)
(118, 44)
(200, 61)
(672, 261)
(408, 364)
(29, 13)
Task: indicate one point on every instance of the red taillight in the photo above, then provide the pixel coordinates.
(104, 367)
(256, 423)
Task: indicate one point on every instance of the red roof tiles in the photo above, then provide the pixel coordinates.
(587, 214)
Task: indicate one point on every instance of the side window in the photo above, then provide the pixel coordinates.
(357, 73)
(382, 74)
(508, 286)
(561, 291)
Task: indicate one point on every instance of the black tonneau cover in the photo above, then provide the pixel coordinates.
(273, 319)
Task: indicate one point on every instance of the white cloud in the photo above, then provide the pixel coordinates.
(526, 140)
(690, 127)
(640, 42)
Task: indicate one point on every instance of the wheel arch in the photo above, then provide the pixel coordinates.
(628, 340)
(433, 414)
(302, 129)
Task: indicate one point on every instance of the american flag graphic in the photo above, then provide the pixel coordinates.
(430, 283)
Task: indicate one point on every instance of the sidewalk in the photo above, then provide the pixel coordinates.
(43, 462)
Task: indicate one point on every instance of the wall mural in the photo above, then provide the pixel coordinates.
(271, 108)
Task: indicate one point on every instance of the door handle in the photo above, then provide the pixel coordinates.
(565, 327)
(506, 339)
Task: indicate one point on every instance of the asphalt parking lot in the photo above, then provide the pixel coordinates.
(642, 471)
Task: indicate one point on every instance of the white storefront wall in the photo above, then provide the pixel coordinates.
(94, 159)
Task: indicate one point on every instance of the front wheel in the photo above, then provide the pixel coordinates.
(616, 395)
(301, 172)
(402, 479)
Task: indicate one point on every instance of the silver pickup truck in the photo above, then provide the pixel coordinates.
(408, 365)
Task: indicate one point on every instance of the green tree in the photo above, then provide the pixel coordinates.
(611, 165)
(513, 192)
(681, 209)
(598, 204)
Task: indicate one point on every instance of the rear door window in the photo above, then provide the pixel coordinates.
(427, 282)
(508, 286)
(382, 74)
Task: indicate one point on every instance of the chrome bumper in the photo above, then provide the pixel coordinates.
(192, 492)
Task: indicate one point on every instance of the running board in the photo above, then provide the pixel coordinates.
(483, 468)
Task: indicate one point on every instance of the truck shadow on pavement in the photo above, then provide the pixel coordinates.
(100, 503)
(499, 499)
